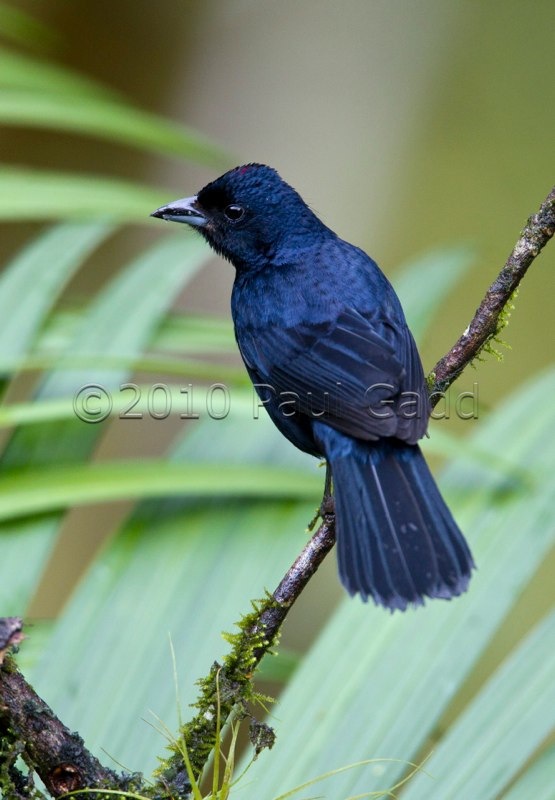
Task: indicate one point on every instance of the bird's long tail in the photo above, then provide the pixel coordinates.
(397, 541)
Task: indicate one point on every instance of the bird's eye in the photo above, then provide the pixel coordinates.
(234, 212)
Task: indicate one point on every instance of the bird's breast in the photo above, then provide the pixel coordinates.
(297, 293)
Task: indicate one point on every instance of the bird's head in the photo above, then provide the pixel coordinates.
(249, 215)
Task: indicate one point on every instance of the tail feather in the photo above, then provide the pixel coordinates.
(397, 541)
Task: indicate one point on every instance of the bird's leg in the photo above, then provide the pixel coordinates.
(326, 506)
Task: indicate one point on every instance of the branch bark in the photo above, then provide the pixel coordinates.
(60, 757)
(489, 319)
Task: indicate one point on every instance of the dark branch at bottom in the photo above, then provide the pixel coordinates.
(57, 755)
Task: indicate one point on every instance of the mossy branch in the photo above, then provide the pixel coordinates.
(231, 684)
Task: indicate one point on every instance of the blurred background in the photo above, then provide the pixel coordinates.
(404, 125)
(408, 127)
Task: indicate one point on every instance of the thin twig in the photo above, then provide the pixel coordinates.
(299, 574)
(488, 319)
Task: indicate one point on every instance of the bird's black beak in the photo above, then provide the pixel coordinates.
(185, 210)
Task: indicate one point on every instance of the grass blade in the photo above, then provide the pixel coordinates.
(40, 491)
(105, 118)
(501, 728)
(33, 194)
(32, 283)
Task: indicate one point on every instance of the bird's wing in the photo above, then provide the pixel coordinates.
(362, 377)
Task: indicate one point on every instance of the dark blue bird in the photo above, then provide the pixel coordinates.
(326, 344)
